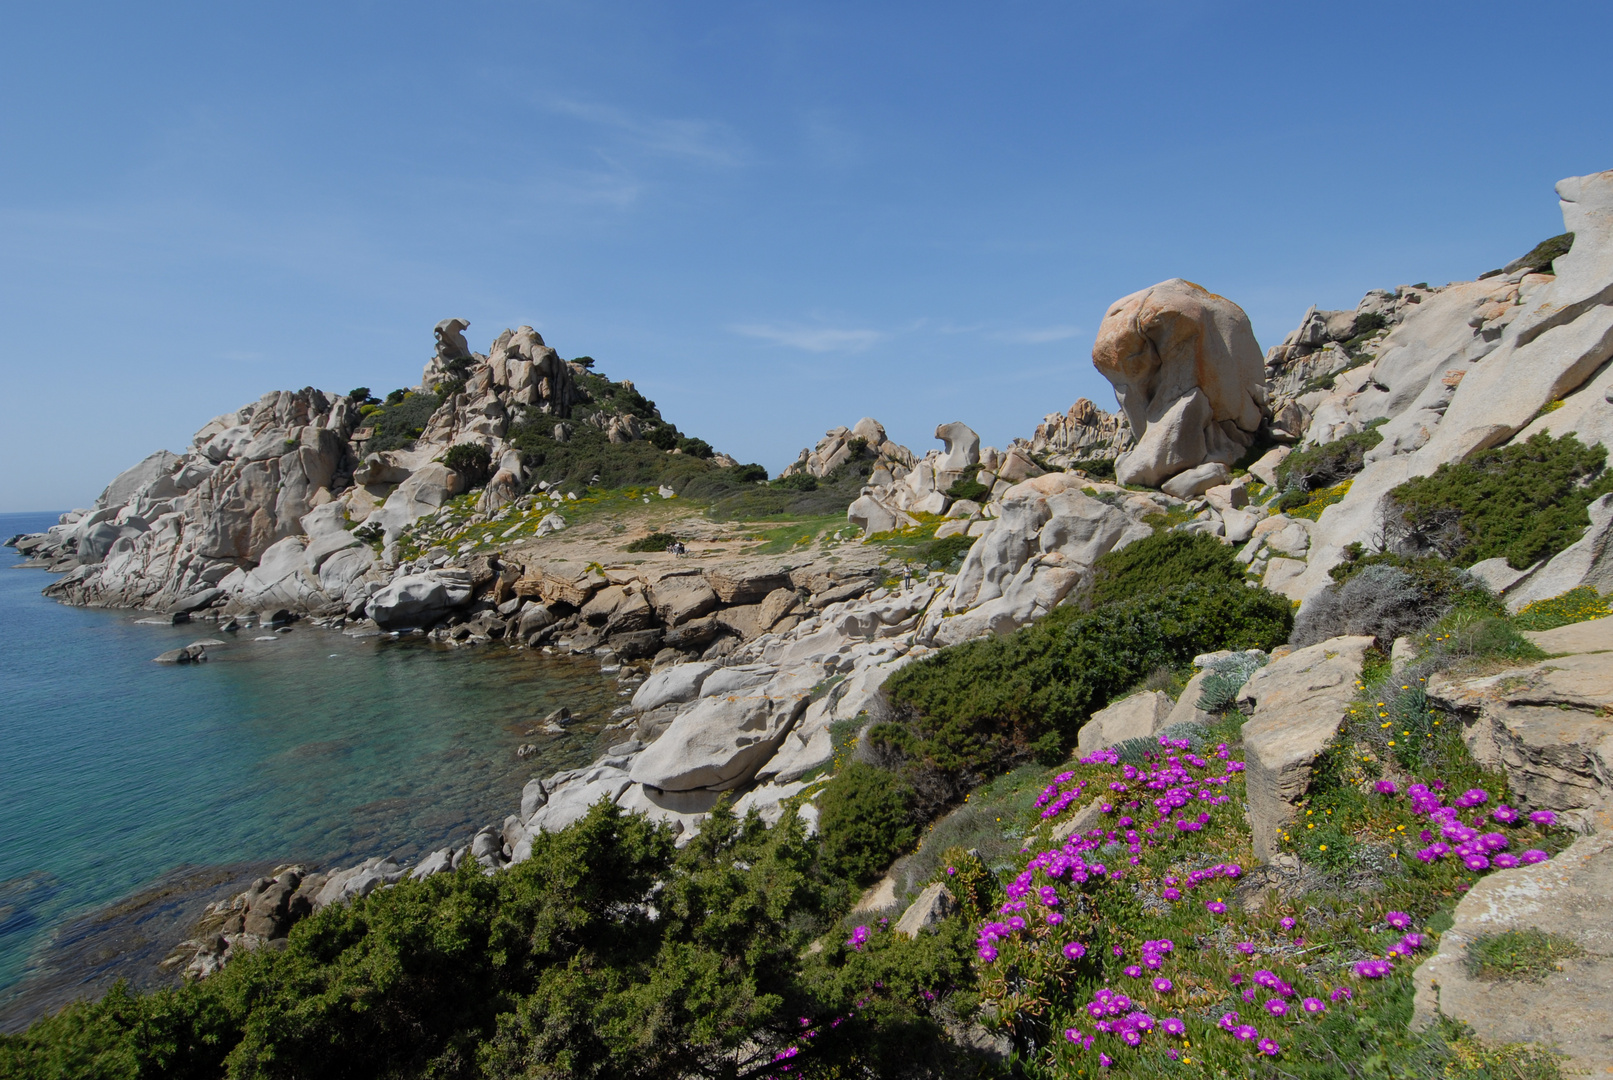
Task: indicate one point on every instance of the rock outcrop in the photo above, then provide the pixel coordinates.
(1565, 897)
(1031, 558)
(1300, 701)
(1189, 375)
(1084, 433)
(277, 503)
(1470, 366)
(1546, 724)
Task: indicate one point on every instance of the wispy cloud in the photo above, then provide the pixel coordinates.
(1039, 335)
(818, 339)
(708, 141)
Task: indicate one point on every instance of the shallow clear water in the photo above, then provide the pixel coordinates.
(116, 772)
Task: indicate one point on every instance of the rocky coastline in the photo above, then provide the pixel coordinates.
(744, 668)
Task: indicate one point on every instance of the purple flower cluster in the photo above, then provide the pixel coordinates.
(1463, 839)
(1373, 969)
(1176, 787)
(1056, 798)
(858, 938)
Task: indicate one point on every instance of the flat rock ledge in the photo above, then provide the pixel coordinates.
(1570, 1011)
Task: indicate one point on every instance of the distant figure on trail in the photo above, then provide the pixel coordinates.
(675, 547)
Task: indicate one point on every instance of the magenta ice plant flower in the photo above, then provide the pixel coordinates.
(1074, 950)
(1277, 1007)
(1398, 919)
(1215, 907)
(1313, 1005)
(1162, 985)
(1173, 1026)
(1245, 1033)
(1543, 817)
(1134, 971)
(1269, 1047)
(1373, 969)
(1341, 993)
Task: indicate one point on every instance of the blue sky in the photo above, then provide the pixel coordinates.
(773, 217)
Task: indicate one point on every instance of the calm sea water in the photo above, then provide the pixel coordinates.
(130, 792)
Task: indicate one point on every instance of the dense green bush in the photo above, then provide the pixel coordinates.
(973, 708)
(398, 423)
(1323, 466)
(1159, 563)
(797, 482)
(361, 396)
(750, 474)
(656, 541)
(1099, 468)
(557, 967)
(968, 488)
(1523, 502)
(1543, 255)
(471, 461)
(866, 821)
(699, 448)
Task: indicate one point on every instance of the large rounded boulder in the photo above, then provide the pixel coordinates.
(1189, 375)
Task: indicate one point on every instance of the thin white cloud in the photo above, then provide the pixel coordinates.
(818, 339)
(1039, 335)
(709, 141)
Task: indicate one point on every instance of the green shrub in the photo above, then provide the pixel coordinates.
(663, 437)
(1164, 561)
(972, 708)
(398, 423)
(866, 820)
(968, 488)
(656, 541)
(1325, 465)
(797, 482)
(1219, 690)
(556, 967)
(749, 474)
(1101, 468)
(699, 448)
(945, 553)
(1389, 596)
(361, 396)
(1523, 502)
(471, 461)
(1543, 255)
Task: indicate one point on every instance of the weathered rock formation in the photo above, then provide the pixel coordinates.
(1084, 433)
(275, 504)
(1466, 367)
(1566, 1009)
(1300, 701)
(1189, 376)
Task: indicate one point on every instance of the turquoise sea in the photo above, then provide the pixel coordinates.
(132, 793)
